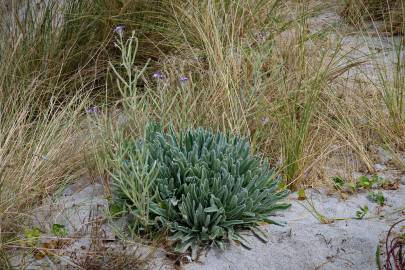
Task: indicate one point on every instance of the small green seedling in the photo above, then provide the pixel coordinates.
(32, 236)
(338, 182)
(364, 182)
(360, 214)
(376, 179)
(301, 194)
(378, 258)
(377, 197)
(310, 206)
(282, 186)
(59, 230)
(116, 209)
(382, 181)
(352, 186)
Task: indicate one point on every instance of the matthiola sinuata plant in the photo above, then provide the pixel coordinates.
(202, 187)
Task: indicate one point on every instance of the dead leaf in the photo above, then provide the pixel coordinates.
(39, 254)
(390, 185)
(344, 195)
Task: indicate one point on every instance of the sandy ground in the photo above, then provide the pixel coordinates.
(303, 243)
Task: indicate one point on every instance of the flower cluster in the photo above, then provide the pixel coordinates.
(92, 110)
(160, 76)
(183, 79)
(119, 29)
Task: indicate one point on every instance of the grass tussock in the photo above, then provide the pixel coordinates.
(39, 152)
(390, 12)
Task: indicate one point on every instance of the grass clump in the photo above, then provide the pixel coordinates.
(203, 186)
(389, 11)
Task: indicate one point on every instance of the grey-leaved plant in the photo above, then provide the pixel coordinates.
(200, 186)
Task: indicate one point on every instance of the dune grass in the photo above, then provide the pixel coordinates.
(255, 68)
(389, 12)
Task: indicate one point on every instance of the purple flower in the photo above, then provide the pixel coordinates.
(158, 75)
(265, 120)
(119, 29)
(183, 78)
(92, 110)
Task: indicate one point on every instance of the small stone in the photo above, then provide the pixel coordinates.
(379, 167)
(383, 155)
(402, 180)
